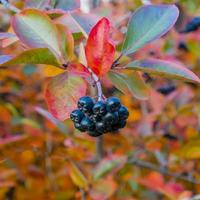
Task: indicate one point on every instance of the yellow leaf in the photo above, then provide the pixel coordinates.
(191, 150)
(77, 176)
(50, 71)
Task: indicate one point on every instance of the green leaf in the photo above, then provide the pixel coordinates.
(33, 56)
(149, 23)
(35, 29)
(39, 4)
(163, 68)
(66, 42)
(67, 4)
(107, 165)
(130, 83)
(62, 94)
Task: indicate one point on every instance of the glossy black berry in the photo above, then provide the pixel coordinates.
(86, 104)
(122, 124)
(99, 108)
(87, 124)
(113, 104)
(97, 118)
(94, 133)
(100, 127)
(110, 118)
(79, 127)
(76, 115)
(123, 113)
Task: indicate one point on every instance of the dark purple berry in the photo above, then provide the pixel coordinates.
(94, 133)
(123, 113)
(100, 127)
(122, 124)
(110, 118)
(99, 108)
(76, 115)
(113, 104)
(86, 104)
(87, 124)
(79, 127)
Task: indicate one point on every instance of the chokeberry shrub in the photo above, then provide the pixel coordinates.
(84, 61)
(114, 128)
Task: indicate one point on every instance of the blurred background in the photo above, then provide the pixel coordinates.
(155, 157)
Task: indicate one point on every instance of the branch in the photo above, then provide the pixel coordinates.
(162, 170)
(8, 6)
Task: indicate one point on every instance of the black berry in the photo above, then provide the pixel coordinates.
(113, 104)
(99, 117)
(99, 108)
(100, 127)
(87, 124)
(76, 115)
(86, 104)
(122, 124)
(94, 133)
(110, 118)
(123, 113)
(79, 127)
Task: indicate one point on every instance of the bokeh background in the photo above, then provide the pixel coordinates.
(155, 157)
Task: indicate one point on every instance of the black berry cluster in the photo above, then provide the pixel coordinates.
(99, 117)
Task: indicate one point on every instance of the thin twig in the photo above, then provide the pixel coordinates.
(9, 6)
(162, 170)
(99, 148)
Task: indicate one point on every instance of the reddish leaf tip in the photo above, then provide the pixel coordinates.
(99, 49)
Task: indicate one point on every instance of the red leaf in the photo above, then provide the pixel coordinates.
(99, 50)
(62, 94)
(79, 70)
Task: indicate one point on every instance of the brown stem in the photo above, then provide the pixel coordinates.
(99, 148)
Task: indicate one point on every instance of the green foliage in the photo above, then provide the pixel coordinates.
(130, 82)
(147, 24)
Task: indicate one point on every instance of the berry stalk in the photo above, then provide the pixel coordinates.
(97, 83)
(99, 140)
